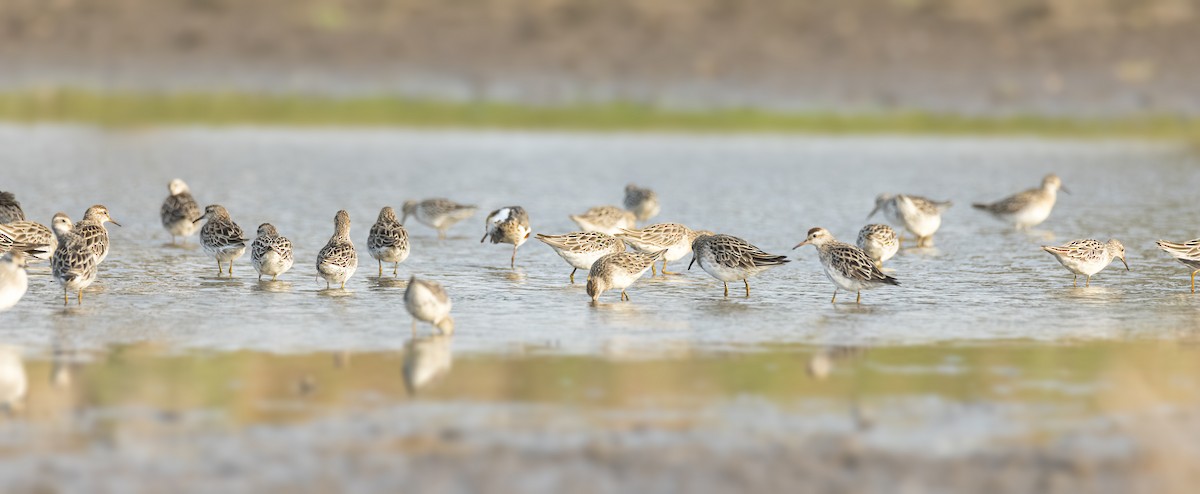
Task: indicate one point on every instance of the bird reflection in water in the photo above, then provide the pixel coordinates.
(13, 380)
(426, 360)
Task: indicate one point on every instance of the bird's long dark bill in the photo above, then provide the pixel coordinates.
(1126, 264)
(873, 211)
(691, 263)
(799, 245)
(110, 220)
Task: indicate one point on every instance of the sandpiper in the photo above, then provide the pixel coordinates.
(879, 242)
(1187, 253)
(427, 301)
(271, 253)
(508, 225)
(920, 216)
(618, 271)
(847, 266)
(338, 260)
(675, 238)
(10, 208)
(179, 211)
(221, 237)
(1029, 208)
(642, 202)
(31, 234)
(74, 262)
(440, 214)
(605, 219)
(14, 281)
(728, 258)
(92, 230)
(388, 240)
(1087, 257)
(581, 249)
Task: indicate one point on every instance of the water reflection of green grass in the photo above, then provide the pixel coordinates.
(251, 387)
(217, 108)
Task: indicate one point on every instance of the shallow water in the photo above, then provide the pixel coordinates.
(985, 343)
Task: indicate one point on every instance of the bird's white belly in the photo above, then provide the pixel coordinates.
(1081, 266)
(923, 225)
(1032, 215)
(182, 228)
(621, 279)
(13, 285)
(336, 274)
(844, 282)
(273, 264)
(389, 254)
(581, 260)
(726, 273)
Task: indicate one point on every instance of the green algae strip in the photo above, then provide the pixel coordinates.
(133, 109)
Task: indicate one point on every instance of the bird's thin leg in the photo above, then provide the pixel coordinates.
(624, 296)
(396, 269)
(380, 268)
(260, 277)
(66, 299)
(726, 288)
(747, 282)
(1088, 282)
(220, 269)
(273, 277)
(573, 275)
(1075, 281)
(858, 299)
(664, 269)
(231, 269)
(1194, 280)
(343, 285)
(834, 299)
(79, 297)
(513, 263)
(653, 270)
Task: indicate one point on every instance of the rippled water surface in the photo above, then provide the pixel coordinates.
(985, 343)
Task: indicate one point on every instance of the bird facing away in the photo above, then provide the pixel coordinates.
(74, 263)
(221, 237)
(582, 249)
(388, 240)
(271, 253)
(1087, 257)
(508, 225)
(729, 258)
(30, 234)
(605, 219)
(92, 230)
(879, 242)
(1028, 208)
(428, 302)
(675, 238)
(847, 266)
(10, 208)
(179, 211)
(338, 260)
(439, 214)
(642, 202)
(618, 271)
(14, 281)
(920, 216)
(1187, 253)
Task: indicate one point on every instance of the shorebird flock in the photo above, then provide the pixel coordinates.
(610, 247)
